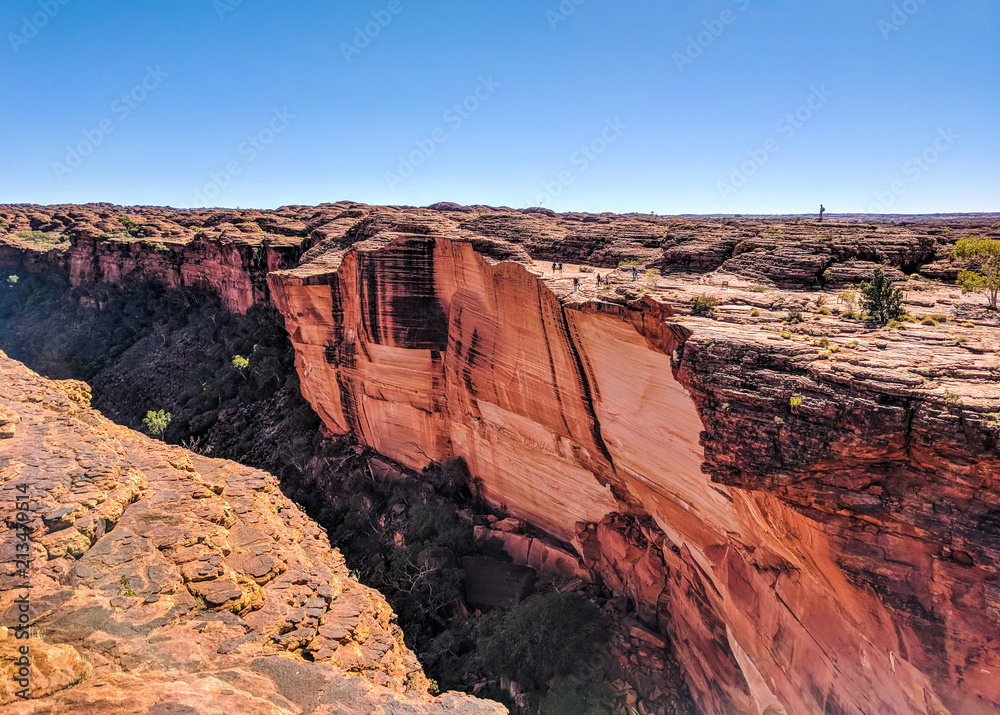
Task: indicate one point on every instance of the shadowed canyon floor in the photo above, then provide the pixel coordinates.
(804, 502)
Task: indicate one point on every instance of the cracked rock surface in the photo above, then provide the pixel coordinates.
(166, 582)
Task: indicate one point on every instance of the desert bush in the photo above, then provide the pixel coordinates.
(849, 298)
(131, 227)
(704, 304)
(880, 300)
(157, 422)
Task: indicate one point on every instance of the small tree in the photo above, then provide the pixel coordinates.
(157, 422)
(12, 280)
(983, 272)
(880, 300)
(241, 363)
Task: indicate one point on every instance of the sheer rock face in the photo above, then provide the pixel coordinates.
(833, 554)
(805, 566)
(163, 581)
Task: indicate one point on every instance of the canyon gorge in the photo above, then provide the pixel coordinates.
(803, 503)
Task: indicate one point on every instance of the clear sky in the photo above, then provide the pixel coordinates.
(722, 106)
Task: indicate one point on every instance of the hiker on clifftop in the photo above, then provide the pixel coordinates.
(598, 279)
(635, 272)
(553, 267)
(822, 210)
(576, 283)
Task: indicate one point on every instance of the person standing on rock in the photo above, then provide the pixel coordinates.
(822, 210)
(553, 267)
(576, 283)
(635, 272)
(598, 279)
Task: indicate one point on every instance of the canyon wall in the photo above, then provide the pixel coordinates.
(785, 569)
(832, 553)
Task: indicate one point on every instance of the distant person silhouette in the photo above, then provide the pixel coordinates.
(822, 210)
(635, 272)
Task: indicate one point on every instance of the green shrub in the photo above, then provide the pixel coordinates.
(131, 227)
(157, 422)
(795, 401)
(704, 304)
(880, 300)
(549, 635)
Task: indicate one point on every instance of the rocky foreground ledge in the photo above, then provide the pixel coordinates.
(163, 582)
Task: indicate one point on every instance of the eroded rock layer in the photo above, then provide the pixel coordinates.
(804, 567)
(808, 505)
(162, 581)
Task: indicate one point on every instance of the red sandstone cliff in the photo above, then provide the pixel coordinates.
(837, 556)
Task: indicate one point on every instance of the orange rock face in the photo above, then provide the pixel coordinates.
(588, 418)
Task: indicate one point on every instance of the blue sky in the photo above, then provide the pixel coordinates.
(724, 106)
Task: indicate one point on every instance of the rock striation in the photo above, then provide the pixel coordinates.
(162, 581)
(807, 504)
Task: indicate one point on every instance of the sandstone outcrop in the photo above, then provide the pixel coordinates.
(836, 552)
(162, 581)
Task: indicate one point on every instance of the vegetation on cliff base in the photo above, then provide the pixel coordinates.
(548, 635)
